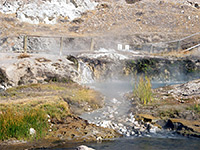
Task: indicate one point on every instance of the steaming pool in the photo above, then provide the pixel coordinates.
(114, 90)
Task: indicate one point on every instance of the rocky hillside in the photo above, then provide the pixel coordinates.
(149, 21)
(48, 11)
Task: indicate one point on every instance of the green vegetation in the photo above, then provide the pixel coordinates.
(142, 66)
(17, 123)
(143, 91)
(16, 119)
(28, 106)
(197, 108)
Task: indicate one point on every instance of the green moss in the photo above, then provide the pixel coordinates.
(142, 66)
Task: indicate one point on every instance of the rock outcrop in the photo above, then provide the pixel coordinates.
(18, 69)
(112, 64)
(48, 11)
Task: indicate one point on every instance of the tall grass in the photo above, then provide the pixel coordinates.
(142, 90)
(17, 123)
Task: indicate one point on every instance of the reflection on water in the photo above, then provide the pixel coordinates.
(150, 144)
(140, 143)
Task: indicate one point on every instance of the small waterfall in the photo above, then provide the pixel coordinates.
(86, 74)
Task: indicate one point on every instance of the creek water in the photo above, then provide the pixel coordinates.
(117, 110)
(140, 143)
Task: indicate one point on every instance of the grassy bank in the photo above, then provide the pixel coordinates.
(17, 118)
(31, 106)
(17, 124)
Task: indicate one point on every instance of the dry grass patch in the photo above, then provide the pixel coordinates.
(74, 94)
(23, 55)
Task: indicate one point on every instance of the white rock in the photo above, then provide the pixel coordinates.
(128, 134)
(132, 133)
(120, 125)
(50, 130)
(32, 131)
(83, 147)
(123, 130)
(46, 11)
(99, 139)
(107, 124)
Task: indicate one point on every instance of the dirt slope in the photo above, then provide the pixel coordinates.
(116, 17)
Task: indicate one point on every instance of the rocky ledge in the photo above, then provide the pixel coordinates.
(105, 64)
(18, 69)
(175, 108)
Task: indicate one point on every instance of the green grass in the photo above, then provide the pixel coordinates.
(17, 123)
(27, 106)
(16, 119)
(142, 90)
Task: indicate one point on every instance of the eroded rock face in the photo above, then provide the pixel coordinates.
(48, 12)
(164, 69)
(3, 79)
(112, 64)
(15, 70)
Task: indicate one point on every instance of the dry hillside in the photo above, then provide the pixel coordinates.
(166, 18)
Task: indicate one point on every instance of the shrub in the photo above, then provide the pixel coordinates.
(142, 90)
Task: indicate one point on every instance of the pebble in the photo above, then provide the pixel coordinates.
(99, 139)
(83, 147)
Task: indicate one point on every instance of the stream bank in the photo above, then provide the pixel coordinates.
(174, 108)
(58, 106)
(103, 65)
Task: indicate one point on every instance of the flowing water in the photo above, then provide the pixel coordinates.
(141, 143)
(116, 108)
(115, 114)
